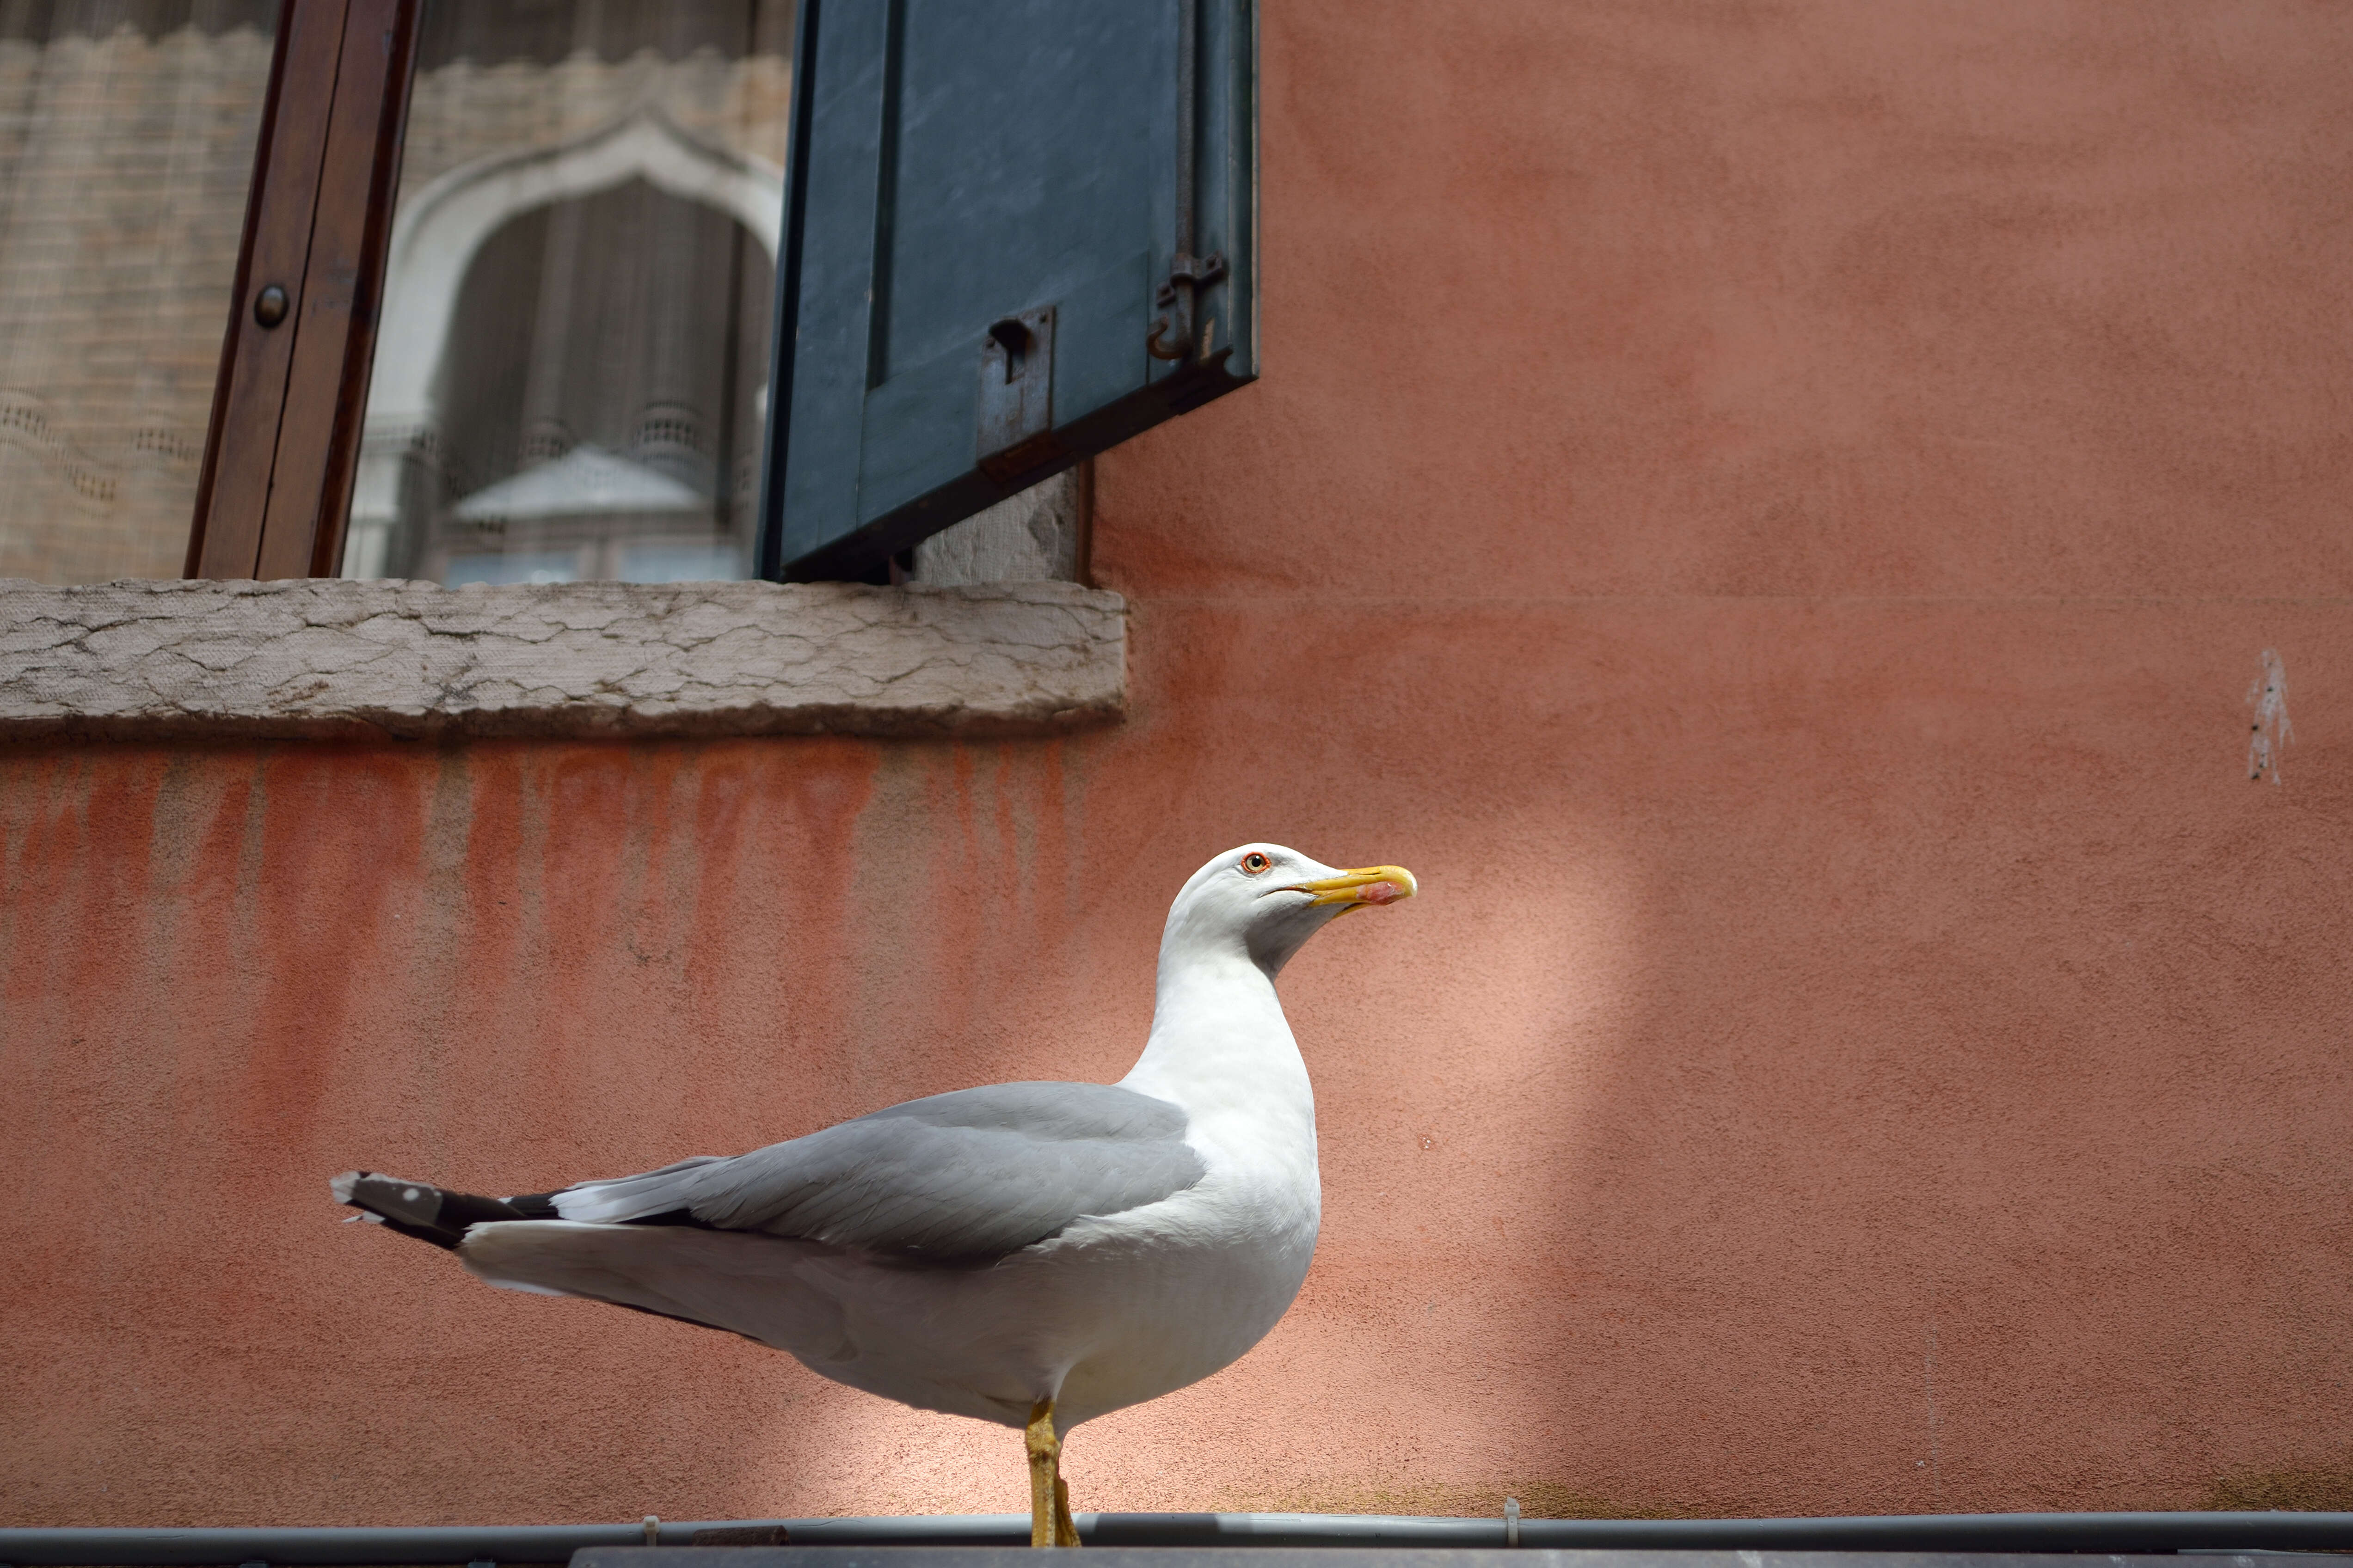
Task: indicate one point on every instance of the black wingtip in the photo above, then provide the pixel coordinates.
(412, 1208)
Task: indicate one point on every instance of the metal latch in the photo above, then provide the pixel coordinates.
(1172, 336)
(1179, 299)
(1017, 396)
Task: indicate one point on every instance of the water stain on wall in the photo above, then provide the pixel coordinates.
(2327, 1488)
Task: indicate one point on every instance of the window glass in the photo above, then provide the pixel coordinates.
(127, 130)
(570, 376)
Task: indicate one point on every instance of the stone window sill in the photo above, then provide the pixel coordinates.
(328, 659)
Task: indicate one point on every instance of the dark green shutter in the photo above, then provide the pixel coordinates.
(986, 268)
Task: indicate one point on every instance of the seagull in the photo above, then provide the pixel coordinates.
(1031, 1254)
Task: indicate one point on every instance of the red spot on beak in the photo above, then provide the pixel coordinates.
(1379, 893)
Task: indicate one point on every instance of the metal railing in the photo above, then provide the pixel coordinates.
(537, 1544)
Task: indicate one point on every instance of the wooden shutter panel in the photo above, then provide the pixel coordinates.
(999, 256)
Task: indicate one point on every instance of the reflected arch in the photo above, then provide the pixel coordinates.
(438, 235)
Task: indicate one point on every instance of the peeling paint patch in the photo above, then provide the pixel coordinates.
(2270, 729)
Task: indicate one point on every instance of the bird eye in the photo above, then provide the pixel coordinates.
(1255, 862)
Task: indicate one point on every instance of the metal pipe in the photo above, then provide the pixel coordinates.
(343, 1547)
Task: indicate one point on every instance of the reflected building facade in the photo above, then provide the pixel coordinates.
(571, 364)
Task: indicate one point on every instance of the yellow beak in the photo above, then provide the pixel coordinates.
(1369, 885)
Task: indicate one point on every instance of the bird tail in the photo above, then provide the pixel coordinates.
(429, 1212)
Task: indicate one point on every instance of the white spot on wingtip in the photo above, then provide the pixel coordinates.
(410, 1195)
(2271, 731)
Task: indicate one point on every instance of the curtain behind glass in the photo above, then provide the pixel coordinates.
(127, 131)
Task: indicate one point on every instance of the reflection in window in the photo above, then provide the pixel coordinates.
(570, 375)
(127, 130)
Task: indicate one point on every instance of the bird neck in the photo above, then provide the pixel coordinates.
(1220, 1045)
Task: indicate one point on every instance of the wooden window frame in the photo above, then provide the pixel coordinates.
(283, 447)
(290, 403)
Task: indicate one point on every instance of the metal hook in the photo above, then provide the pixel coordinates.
(1180, 297)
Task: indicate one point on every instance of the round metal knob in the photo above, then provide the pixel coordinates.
(270, 306)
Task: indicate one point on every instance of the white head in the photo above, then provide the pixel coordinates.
(1262, 901)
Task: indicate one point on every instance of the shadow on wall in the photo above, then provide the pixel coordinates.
(1800, 1101)
(1958, 1155)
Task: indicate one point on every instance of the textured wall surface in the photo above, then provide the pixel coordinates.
(1038, 535)
(332, 659)
(1775, 515)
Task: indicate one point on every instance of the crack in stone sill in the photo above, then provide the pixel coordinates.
(590, 660)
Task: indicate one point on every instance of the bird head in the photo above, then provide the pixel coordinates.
(1265, 901)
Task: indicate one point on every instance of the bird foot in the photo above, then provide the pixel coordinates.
(1049, 1495)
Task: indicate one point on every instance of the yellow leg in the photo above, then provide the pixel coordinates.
(1045, 1472)
(1050, 1496)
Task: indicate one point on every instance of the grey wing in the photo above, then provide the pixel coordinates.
(964, 1176)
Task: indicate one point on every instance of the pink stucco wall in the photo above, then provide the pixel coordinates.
(1772, 511)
